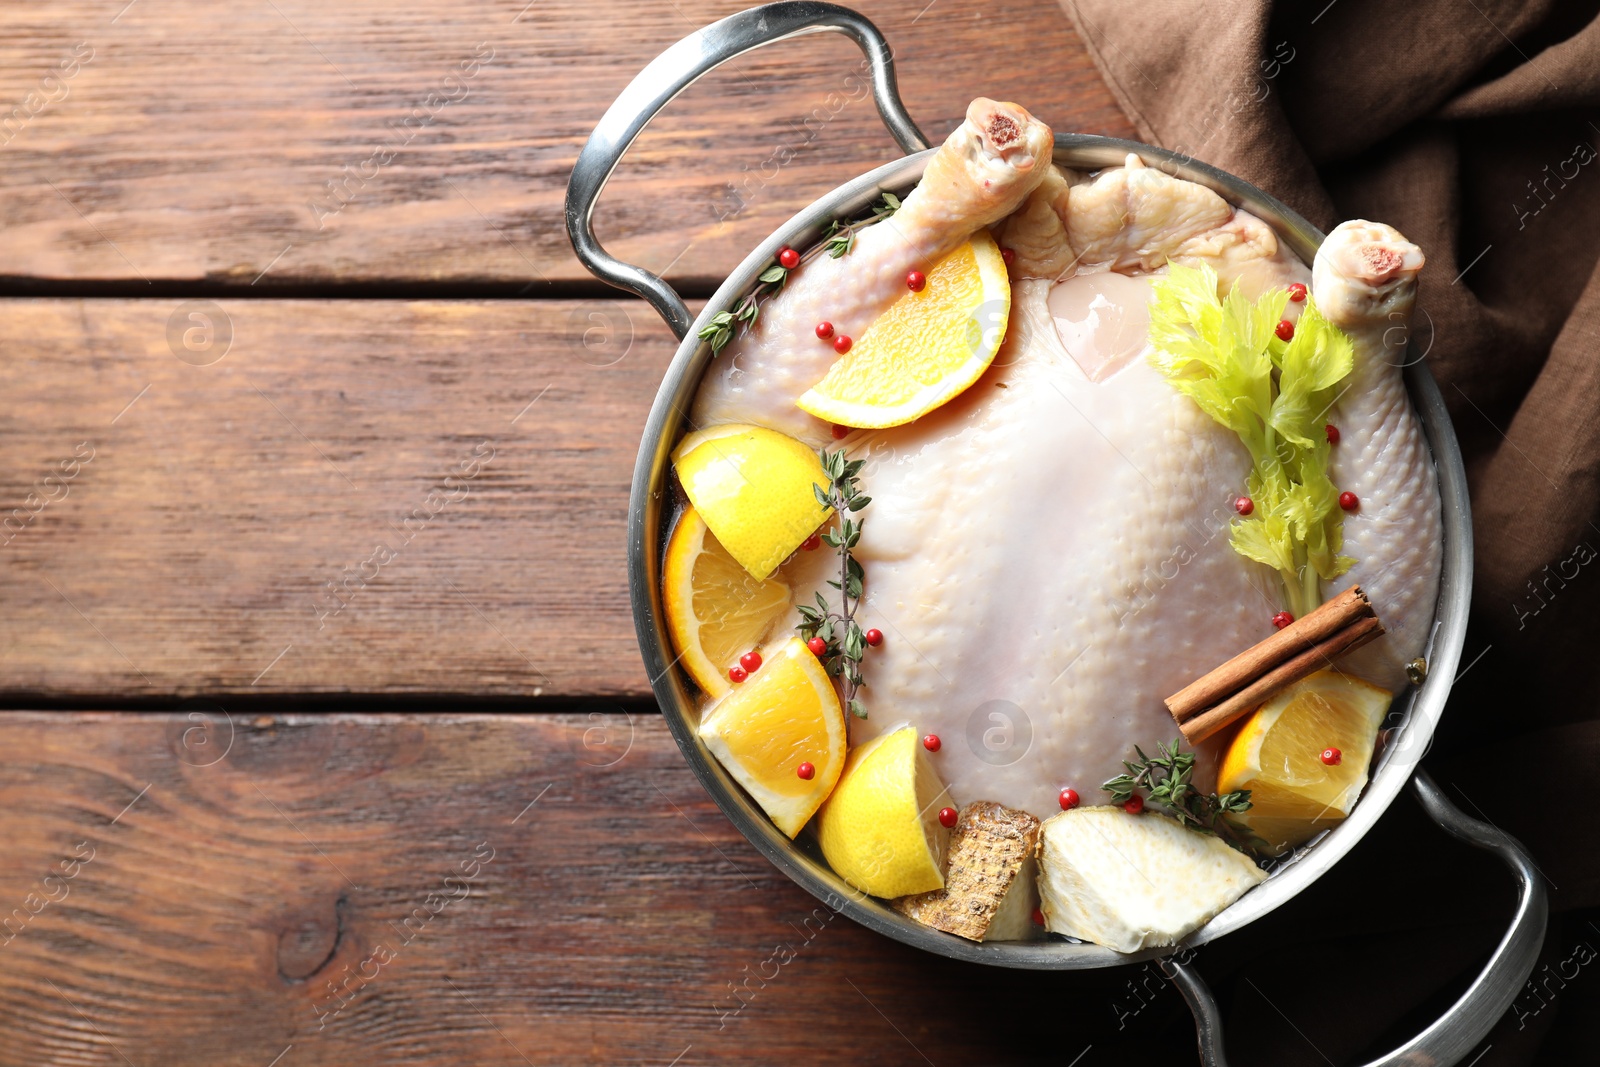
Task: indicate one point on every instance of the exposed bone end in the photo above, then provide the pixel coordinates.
(1371, 253)
(983, 172)
(1006, 131)
(1365, 274)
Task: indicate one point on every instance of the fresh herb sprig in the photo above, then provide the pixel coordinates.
(1166, 777)
(837, 241)
(840, 238)
(846, 641)
(719, 331)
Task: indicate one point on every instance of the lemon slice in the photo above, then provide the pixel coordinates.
(786, 714)
(753, 487)
(880, 829)
(715, 611)
(1277, 755)
(926, 348)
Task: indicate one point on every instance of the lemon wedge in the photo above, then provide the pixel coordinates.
(880, 829)
(785, 715)
(715, 611)
(926, 348)
(1277, 755)
(754, 489)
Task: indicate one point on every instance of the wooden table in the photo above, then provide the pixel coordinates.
(330, 740)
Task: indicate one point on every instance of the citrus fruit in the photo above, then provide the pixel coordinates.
(880, 829)
(1278, 756)
(715, 611)
(753, 487)
(926, 348)
(785, 715)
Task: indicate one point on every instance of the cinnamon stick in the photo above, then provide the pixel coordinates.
(1203, 725)
(1300, 649)
(1258, 659)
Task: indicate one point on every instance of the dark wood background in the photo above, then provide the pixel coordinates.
(323, 751)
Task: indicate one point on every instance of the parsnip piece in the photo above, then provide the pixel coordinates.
(988, 850)
(1013, 920)
(1130, 882)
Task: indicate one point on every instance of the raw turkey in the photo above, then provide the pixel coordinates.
(1048, 554)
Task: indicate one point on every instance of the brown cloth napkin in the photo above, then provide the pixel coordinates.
(1474, 127)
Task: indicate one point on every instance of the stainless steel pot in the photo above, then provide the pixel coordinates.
(1411, 724)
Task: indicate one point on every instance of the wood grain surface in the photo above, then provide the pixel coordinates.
(411, 142)
(454, 889)
(228, 506)
(356, 496)
(263, 500)
(215, 889)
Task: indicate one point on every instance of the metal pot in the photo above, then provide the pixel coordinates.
(1411, 724)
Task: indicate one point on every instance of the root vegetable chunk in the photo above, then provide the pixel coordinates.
(1130, 882)
(990, 848)
(1013, 920)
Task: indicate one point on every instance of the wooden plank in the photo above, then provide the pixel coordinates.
(445, 889)
(357, 496)
(164, 142)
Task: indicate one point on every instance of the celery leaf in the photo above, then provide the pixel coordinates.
(1224, 355)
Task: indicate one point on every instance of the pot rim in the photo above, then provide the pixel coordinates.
(1411, 721)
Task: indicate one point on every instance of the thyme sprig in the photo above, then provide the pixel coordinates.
(840, 238)
(1166, 777)
(847, 642)
(719, 331)
(837, 241)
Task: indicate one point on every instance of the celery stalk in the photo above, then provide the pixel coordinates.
(1224, 355)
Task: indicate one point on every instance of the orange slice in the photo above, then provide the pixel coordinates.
(785, 715)
(715, 611)
(926, 348)
(1277, 755)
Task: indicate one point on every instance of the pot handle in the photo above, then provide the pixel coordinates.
(671, 73)
(1458, 1030)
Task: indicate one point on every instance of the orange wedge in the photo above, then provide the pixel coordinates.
(716, 612)
(785, 715)
(926, 348)
(1277, 755)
